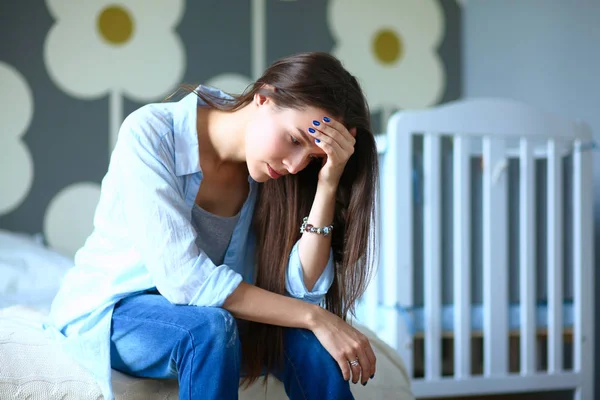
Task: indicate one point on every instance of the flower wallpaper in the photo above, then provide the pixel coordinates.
(71, 71)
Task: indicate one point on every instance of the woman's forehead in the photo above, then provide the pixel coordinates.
(308, 113)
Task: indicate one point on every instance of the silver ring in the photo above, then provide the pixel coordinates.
(354, 363)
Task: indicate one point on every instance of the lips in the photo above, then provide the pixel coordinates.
(272, 172)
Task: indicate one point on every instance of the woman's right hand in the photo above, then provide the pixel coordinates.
(345, 344)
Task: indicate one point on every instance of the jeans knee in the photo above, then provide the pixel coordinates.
(310, 369)
(217, 328)
(304, 344)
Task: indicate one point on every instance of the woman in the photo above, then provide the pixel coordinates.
(224, 224)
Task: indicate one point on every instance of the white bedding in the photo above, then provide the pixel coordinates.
(33, 367)
(30, 273)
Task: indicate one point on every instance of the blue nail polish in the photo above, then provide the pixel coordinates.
(365, 384)
(311, 130)
(372, 376)
(317, 141)
(316, 123)
(326, 119)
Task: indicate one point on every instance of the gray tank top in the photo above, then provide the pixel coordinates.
(214, 232)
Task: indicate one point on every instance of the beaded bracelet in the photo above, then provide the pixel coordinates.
(306, 227)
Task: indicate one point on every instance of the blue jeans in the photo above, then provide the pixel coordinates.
(200, 347)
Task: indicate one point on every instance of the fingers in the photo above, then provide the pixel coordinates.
(333, 132)
(328, 122)
(354, 362)
(367, 361)
(372, 359)
(329, 145)
(344, 366)
(350, 349)
(353, 365)
(361, 360)
(366, 365)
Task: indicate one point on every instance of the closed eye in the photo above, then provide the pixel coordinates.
(296, 142)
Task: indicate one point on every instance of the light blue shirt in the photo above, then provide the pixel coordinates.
(143, 237)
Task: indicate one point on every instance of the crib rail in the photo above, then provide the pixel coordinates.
(527, 257)
(501, 129)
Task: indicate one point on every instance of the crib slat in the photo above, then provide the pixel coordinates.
(462, 250)
(583, 264)
(555, 257)
(432, 250)
(527, 256)
(495, 268)
(397, 227)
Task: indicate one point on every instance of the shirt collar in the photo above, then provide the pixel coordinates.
(185, 137)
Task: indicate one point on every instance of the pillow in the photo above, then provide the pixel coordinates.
(30, 274)
(33, 367)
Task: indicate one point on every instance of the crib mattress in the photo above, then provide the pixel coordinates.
(416, 318)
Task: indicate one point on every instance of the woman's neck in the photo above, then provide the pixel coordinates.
(221, 135)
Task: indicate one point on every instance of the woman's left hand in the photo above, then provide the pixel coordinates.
(338, 144)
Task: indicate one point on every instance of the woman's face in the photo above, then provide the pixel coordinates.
(278, 141)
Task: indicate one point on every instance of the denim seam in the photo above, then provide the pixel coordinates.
(296, 375)
(193, 364)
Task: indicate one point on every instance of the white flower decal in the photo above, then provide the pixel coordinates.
(77, 203)
(16, 165)
(391, 47)
(119, 48)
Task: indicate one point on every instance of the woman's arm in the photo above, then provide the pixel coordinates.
(259, 305)
(314, 249)
(338, 144)
(341, 340)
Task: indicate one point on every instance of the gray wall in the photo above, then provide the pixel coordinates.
(544, 52)
(63, 149)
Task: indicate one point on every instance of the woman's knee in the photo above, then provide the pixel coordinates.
(302, 343)
(216, 328)
(310, 368)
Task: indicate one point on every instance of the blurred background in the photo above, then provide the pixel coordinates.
(71, 71)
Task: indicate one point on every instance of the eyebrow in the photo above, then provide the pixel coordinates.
(304, 134)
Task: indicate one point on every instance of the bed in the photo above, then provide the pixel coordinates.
(33, 367)
(486, 271)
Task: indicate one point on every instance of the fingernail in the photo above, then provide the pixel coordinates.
(365, 384)
(326, 119)
(372, 376)
(311, 130)
(316, 123)
(317, 141)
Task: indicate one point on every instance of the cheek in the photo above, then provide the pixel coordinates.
(266, 142)
(254, 138)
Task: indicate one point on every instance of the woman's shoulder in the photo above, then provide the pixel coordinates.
(151, 121)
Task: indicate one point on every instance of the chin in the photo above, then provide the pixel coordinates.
(261, 178)
(258, 175)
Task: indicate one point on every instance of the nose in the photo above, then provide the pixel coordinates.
(296, 163)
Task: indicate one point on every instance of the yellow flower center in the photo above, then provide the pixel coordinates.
(115, 25)
(387, 46)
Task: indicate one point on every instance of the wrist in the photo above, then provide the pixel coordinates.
(327, 187)
(313, 317)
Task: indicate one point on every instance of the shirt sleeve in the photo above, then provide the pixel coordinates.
(294, 279)
(158, 220)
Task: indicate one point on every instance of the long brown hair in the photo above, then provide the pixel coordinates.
(318, 80)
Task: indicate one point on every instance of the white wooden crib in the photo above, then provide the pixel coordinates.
(521, 345)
